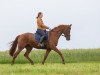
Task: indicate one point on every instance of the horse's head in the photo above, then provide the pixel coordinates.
(63, 29)
(66, 31)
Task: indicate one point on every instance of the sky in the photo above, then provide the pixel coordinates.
(19, 16)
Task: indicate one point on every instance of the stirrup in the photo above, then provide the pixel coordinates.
(40, 45)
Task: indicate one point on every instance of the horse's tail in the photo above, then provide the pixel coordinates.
(13, 46)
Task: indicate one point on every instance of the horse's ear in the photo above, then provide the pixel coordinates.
(70, 25)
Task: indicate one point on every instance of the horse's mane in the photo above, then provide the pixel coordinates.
(56, 28)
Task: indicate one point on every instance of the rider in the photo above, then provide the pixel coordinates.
(41, 28)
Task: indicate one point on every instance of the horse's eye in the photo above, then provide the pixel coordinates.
(68, 30)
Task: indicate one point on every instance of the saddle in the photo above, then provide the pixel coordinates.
(38, 37)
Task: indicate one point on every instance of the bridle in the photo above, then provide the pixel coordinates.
(57, 31)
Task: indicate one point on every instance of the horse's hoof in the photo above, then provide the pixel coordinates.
(63, 63)
(12, 64)
(42, 63)
(32, 63)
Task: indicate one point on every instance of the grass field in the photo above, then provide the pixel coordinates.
(78, 62)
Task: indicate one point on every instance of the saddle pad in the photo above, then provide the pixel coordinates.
(38, 37)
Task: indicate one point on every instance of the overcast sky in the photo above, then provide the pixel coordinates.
(19, 16)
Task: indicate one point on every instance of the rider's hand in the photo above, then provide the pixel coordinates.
(50, 29)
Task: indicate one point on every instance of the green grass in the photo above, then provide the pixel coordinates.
(78, 62)
(51, 69)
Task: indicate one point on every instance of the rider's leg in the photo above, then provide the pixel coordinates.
(42, 39)
(42, 33)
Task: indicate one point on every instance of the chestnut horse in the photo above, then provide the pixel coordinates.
(27, 40)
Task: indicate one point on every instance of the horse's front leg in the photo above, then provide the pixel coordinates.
(46, 55)
(56, 50)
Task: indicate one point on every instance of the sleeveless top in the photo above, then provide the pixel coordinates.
(40, 24)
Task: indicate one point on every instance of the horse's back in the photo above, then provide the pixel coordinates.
(27, 36)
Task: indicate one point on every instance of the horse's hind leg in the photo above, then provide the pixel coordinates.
(16, 54)
(28, 50)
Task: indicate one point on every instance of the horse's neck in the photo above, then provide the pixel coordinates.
(58, 34)
(58, 31)
(55, 35)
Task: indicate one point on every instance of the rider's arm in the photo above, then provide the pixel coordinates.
(41, 24)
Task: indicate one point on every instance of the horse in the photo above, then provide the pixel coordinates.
(28, 41)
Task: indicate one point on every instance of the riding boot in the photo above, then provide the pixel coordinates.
(41, 41)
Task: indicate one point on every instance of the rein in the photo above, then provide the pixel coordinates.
(56, 31)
